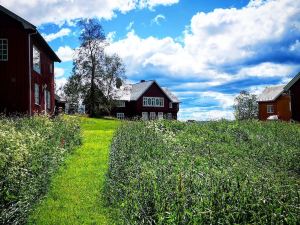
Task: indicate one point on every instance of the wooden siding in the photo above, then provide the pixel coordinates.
(14, 93)
(281, 108)
(14, 73)
(295, 99)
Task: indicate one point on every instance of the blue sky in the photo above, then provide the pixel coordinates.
(204, 51)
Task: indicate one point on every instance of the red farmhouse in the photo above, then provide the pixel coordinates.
(283, 101)
(146, 100)
(26, 67)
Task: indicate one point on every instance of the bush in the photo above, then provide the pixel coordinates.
(221, 172)
(31, 149)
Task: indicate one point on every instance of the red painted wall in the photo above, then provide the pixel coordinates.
(295, 99)
(281, 108)
(14, 75)
(14, 94)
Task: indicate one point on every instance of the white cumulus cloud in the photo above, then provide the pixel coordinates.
(59, 11)
(65, 53)
(61, 33)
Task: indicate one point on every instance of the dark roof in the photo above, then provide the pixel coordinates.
(132, 92)
(292, 82)
(29, 26)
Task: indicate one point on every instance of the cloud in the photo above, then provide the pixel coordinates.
(59, 83)
(130, 26)
(158, 19)
(63, 32)
(65, 53)
(53, 11)
(221, 53)
(202, 114)
(153, 3)
(59, 72)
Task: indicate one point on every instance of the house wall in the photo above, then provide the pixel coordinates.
(44, 78)
(135, 108)
(14, 93)
(281, 108)
(295, 100)
(14, 73)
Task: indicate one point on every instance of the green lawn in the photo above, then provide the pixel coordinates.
(75, 193)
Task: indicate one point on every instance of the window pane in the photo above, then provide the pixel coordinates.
(36, 60)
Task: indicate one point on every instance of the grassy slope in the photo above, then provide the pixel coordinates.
(74, 196)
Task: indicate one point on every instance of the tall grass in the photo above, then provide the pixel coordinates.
(212, 173)
(31, 149)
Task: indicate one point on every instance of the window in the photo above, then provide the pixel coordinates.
(51, 68)
(48, 98)
(152, 115)
(170, 105)
(270, 109)
(153, 102)
(120, 116)
(36, 94)
(120, 103)
(169, 116)
(145, 115)
(36, 60)
(160, 115)
(3, 49)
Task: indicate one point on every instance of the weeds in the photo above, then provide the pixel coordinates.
(31, 149)
(163, 172)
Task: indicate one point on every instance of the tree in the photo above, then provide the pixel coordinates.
(97, 74)
(245, 106)
(113, 74)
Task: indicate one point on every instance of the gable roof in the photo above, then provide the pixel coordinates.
(29, 26)
(271, 93)
(132, 92)
(292, 82)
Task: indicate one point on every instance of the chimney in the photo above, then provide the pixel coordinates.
(142, 81)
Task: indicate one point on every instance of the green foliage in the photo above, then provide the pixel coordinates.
(31, 149)
(163, 172)
(245, 106)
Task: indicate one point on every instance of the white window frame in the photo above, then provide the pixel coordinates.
(169, 116)
(270, 109)
(152, 115)
(160, 115)
(145, 116)
(36, 94)
(120, 116)
(153, 102)
(36, 67)
(121, 104)
(171, 105)
(3, 47)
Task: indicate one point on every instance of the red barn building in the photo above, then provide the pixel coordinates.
(282, 101)
(26, 67)
(146, 100)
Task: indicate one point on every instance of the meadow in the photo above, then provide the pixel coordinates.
(31, 151)
(165, 172)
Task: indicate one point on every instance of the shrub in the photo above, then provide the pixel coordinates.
(221, 172)
(31, 149)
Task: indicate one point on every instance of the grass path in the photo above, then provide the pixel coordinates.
(74, 196)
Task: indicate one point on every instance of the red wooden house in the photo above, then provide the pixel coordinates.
(282, 102)
(26, 67)
(146, 100)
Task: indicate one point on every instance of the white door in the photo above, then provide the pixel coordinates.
(45, 100)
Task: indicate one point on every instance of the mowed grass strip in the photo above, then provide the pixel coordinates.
(75, 193)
